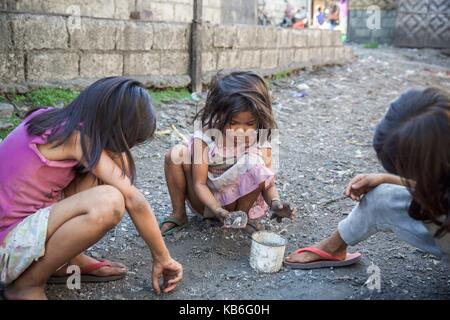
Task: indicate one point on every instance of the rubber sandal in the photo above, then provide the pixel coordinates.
(178, 226)
(86, 276)
(326, 260)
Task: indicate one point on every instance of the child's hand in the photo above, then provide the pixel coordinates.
(282, 210)
(362, 184)
(221, 214)
(171, 272)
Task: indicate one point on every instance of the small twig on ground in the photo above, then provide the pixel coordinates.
(328, 202)
(182, 136)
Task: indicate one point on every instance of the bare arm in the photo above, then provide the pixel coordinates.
(394, 179)
(200, 177)
(363, 183)
(270, 193)
(139, 209)
(142, 216)
(279, 209)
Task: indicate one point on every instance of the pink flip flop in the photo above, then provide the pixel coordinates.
(326, 260)
(86, 276)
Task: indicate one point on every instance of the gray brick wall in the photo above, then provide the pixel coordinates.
(42, 50)
(359, 32)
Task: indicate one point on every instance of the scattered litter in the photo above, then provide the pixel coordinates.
(162, 133)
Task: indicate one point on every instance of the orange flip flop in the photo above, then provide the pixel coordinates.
(326, 260)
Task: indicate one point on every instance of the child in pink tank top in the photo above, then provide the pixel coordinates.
(52, 207)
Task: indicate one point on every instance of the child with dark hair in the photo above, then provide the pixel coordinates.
(66, 179)
(227, 164)
(412, 141)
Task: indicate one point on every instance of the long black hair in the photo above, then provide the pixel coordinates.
(413, 141)
(112, 114)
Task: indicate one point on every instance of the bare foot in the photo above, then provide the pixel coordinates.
(333, 245)
(83, 260)
(16, 292)
(169, 225)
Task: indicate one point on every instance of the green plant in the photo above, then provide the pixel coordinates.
(14, 121)
(281, 75)
(161, 96)
(371, 45)
(51, 97)
(43, 97)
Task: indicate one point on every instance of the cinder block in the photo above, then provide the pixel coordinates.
(174, 63)
(212, 15)
(228, 59)
(5, 33)
(247, 36)
(134, 36)
(123, 9)
(96, 65)
(314, 38)
(315, 56)
(328, 55)
(225, 37)
(267, 37)
(301, 56)
(327, 38)
(284, 39)
(142, 63)
(162, 11)
(207, 37)
(209, 61)
(183, 12)
(52, 66)
(93, 34)
(39, 32)
(269, 59)
(286, 58)
(250, 59)
(336, 38)
(299, 38)
(12, 67)
(170, 37)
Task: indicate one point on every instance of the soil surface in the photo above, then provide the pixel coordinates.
(325, 139)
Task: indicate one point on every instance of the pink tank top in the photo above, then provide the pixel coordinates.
(28, 181)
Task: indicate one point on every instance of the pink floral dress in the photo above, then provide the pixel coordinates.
(233, 174)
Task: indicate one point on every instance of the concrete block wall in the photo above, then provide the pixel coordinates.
(49, 50)
(39, 50)
(270, 49)
(360, 31)
(152, 10)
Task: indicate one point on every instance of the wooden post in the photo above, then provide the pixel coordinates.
(196, 47)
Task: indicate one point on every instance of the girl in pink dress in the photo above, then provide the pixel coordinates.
(226, 165)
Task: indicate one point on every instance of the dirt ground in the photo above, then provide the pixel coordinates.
(325, 140)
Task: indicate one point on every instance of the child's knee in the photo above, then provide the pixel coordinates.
(179, 154)
(385, 192)
(111, 205)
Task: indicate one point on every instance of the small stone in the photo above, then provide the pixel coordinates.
(5, 125)
(6, 110)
